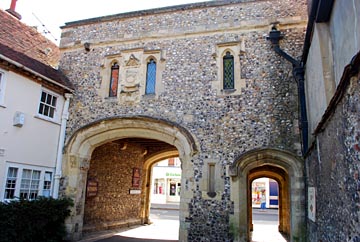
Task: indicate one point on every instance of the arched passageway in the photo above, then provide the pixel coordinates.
(281, 166)
(92, 156)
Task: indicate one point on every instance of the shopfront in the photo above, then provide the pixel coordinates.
(166, 182)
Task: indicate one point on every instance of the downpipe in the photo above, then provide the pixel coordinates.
(298, 73)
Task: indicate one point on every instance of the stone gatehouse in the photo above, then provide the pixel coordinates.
(200, 82)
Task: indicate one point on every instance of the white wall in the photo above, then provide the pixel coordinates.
(332, 48)
(345, 30)
(36, 141)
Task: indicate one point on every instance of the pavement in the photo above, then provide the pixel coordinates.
(166, 206)
(165, 227)
(266, 222)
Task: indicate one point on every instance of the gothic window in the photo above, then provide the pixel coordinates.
(114, 80)
(150, 77)
(228, 71)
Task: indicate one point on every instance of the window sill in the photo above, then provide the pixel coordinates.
(228, 90)
(111, 99)
(2, 106)
(47, 119)
(149, 96)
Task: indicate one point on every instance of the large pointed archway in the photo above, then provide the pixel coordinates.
(287, 170)
(80, 147)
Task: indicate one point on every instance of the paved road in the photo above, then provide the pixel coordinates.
(267, 216)
(165, 228)
(266, 224)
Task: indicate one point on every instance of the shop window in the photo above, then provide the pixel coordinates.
(178, 189)
(228, 71)
(150, 77)
(159, 186)
(114, 80)
(172, 189)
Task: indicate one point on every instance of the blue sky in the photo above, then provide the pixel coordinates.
(55, 13)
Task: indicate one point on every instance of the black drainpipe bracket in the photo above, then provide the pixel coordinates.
(275, 36)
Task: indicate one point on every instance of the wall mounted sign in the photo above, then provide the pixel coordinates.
(136, 177)
(134, 191)
(312, 203)
(91, 188)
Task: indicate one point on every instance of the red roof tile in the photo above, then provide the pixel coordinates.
(25, 45)
(35, 66)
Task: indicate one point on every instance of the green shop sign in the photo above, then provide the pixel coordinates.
(173, 174)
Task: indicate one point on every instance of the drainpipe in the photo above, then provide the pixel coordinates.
(58, 167)
(298, 73)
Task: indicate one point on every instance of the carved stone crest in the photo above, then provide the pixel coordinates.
(133, 61)
(130, 86)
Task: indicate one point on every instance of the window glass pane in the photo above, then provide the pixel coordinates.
(10, 183)
(43, 97)
(228, 68)
(54, 101)
(47, 184)
(26, 174)
(41, 108)
(46, 193)
(46, 111)
(51, 112)
(36, 175)
(150, 77)
(25, 183)
(48, 99)
(114, 79)
(47, 176)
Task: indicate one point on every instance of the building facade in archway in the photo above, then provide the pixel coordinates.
(202, 82)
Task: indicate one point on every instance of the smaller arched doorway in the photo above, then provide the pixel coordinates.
(287, 170)
(281, 177)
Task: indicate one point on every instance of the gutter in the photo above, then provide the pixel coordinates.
(35, 73)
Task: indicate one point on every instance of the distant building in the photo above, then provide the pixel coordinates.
(34, 97)
(166, 181)
(267, 188)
